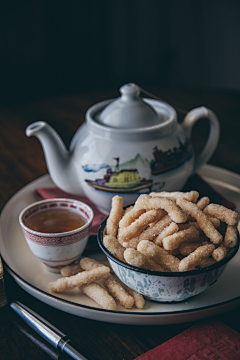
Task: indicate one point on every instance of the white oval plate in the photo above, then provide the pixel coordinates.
(32, 276)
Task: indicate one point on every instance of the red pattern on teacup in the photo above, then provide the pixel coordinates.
(57, 241)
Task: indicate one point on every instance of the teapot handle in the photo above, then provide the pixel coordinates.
(214, 133)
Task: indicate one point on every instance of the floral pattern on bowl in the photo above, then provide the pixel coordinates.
(165, 286)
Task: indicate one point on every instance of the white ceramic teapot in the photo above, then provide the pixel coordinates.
(126, 146)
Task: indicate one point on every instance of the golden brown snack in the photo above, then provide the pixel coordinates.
(194, 259)
(93, 290)
(123, 296)
(202, 219)
(203, 202)
(215, 221)
(171, 229)
(193, 222)
(130, 216)
(125, 211)
(187, 248)
(224, 214)
(174, 211)
(97, 293)
(88, 263)
(136, 227)
(182, 225)
(139, 300)
(119, 293)
(189, 224)
(113, 246)
(152, 231)
(220, 252)
(135, 258)
(172, 242)
(132, 243)
(106, 263)
(114, 216)
(70, 270)
(238, 227)
(158, 255)
(190, 196)
(206, 262)
(84, 277)
(231, 236)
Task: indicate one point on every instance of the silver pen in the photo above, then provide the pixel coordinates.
(49, 332)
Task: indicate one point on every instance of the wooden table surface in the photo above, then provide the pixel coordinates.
(22, 161)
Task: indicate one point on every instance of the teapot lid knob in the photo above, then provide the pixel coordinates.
(129, 110)
(130, 89)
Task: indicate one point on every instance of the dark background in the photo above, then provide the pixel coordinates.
(49, 48)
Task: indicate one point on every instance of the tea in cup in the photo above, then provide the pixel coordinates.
(56, 230)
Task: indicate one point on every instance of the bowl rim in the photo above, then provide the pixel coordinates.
(206, 269)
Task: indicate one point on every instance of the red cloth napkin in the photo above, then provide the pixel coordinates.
(206, 340)
(54, 192)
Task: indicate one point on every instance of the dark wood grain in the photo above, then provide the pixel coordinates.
(22, 161)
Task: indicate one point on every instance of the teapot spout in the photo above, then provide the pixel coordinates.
(58, 158)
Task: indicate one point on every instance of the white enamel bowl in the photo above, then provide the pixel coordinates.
(165, 286)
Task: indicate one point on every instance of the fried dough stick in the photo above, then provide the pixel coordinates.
(202, 219)
(114, 216)
(158, 255)
(172, 242)
(194, 259)
(93, 290)
(224, 214)
(174, 211)
(190, 196)
(113, 246)
(139, 301)
(113, 286)
(82, 278)
(136, 258)
(140, 224)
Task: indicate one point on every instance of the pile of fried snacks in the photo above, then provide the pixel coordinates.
(170, 231)
(94, 279)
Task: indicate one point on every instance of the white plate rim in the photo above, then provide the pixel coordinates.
(168, 317)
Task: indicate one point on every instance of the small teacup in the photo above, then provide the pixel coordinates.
(56, 230)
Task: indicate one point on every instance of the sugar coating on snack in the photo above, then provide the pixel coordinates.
(172, 242)
(70, 270)
(174, 211)
(69, 283)
(119, 293)
(202, 219)
(203, 202)
(193, 259)
(171, 229)
(190, 196)
(224, 214)
(140, 224)
(97, 293)
(230, 237)
(158, 255)
(114, 216)
(113, 246)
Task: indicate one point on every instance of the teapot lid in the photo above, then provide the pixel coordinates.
(129, 110)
